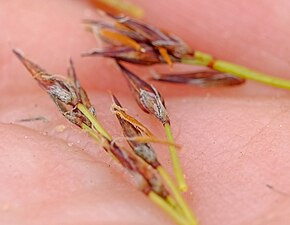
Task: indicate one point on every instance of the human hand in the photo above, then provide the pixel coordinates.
(235, 140)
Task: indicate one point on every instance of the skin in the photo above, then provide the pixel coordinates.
(235, 140)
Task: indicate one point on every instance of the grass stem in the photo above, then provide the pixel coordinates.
(177, 195)
(204, 59)
(175, 160)
(168, 208)
(94, 121)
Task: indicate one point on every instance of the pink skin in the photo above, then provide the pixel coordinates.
(236, 140)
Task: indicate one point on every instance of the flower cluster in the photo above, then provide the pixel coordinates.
(136, 42)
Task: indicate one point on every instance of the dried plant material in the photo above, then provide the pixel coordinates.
(135, 165)
(156, 37)
(130, 123)
(117, 7)
(159, 46)
(127, 54)
(66, 93)
(147, 97)
(32, 119)
(147, 153)
(131, 130)
(150, 101)
(73, 102)
(165, 200)
(200, 79)
(136, 42)
(146, 178)
(121, 113)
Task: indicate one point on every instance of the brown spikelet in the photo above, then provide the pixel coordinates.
(66, 92)
(133, 41)
(201, 78)
(143, 150)
(147, 97)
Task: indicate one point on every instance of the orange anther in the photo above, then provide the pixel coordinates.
(122, 39)
(163, 52)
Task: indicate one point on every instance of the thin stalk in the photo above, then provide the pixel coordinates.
(94, 121)
(167, 208)
(204, 59)
(177, 195)
(175, 160)
(91, 132)
(172, 202)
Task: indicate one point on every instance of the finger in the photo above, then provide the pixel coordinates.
(206, 120)
(51, 182)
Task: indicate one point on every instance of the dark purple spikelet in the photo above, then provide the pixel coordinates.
(143, 150)
(128, 54)
(66, 92)
(156, 37)
(201, 79)
(153, 45)
(147, 97)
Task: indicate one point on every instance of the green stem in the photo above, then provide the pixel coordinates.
(168, 208)
(177, 195)
(94, 121)
(175, 160)
(124, 7)
(91, 132)
(240, 71)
